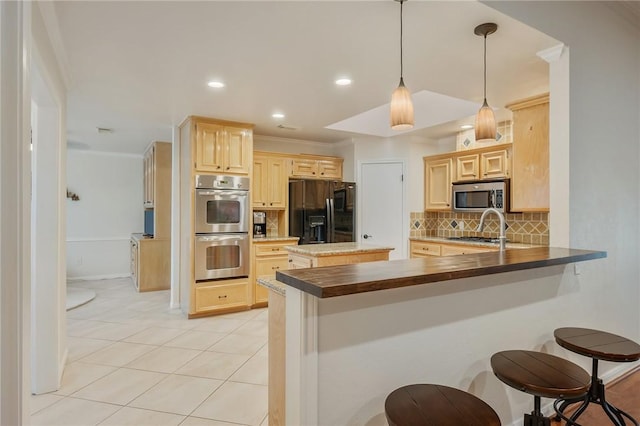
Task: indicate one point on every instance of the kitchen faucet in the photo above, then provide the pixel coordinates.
(503, 228)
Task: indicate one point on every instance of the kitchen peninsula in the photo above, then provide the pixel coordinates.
(354, 333)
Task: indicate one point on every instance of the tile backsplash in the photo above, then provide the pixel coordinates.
(272, 223)
(466, 139)
(527, 228)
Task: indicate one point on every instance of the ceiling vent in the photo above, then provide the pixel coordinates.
(287, 127)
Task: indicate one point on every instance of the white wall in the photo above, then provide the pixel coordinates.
(291, 146)
(604, 149)
(110, 208)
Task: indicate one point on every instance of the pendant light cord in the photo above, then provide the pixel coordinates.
(401, 65)
(485, 68)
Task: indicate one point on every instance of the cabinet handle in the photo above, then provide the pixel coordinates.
(322, 173)
(275, 249)
(313, 173)
(218, 167)
(222, 297)
(228, 167)
(275, 267)
(264, 204)
(270, 204)
(290, 260)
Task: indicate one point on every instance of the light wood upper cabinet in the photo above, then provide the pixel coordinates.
(495, 164)
(222, 149)
(330, 169)
(269, 181)
(530, 180)
(467, 167)
(157, 186)
(437, 183)
(492, 164)
(310, 166)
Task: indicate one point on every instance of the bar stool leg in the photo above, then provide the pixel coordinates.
(596, 395)
(536, 418)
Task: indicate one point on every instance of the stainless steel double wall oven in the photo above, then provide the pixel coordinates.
(222, 227)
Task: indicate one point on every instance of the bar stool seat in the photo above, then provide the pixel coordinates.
(598, 345)
(428, 404)
(541, 375)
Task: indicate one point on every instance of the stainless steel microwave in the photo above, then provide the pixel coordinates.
(479, 195)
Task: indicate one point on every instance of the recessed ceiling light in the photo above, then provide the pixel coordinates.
(215, 84)
(466, 126)
(343, 81)
(277, 115)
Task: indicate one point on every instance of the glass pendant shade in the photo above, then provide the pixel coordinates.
(485, 124)
(401, 108)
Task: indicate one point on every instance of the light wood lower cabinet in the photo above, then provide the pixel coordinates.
(277, 354)
(220, 296)
(268, 258)
(150, 263)
(427, 248)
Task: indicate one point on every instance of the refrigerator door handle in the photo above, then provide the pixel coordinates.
(327, 208)
(332, 224)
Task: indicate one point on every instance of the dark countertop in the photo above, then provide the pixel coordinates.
(332, 281)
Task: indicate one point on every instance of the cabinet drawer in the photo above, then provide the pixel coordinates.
(270, 250)
(219, 296)
(423, 248)
(455, 250)
(269, 266)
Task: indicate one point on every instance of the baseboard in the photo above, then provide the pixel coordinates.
(63, 363)
(98, 277)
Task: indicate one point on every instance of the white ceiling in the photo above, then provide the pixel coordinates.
(142, 67)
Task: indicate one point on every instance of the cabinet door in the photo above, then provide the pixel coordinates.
(467, 167)
(260, 184)
(495, 164)
(277, 183)
(438, 184)
(330, 169)
(530, 182)
(237, 147)
(304, 167)
(299, 262)
(209, 146)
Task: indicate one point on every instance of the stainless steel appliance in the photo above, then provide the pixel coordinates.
(259, 224)
(221, 256)
(477, 196)
(322, 211)
(221, 227)
(222, 204)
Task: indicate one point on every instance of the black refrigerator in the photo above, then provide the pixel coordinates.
(322, 211)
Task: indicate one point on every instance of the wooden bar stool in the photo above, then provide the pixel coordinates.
(426, 404)
(597, 345)
(541, 375)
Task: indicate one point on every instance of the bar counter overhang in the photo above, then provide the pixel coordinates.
(422, 321)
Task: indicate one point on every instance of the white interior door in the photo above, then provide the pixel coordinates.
(382, 215)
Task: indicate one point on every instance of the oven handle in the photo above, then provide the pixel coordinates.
(208, 238)
(224, 192)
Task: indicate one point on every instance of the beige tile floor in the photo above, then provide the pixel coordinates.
(132, 361)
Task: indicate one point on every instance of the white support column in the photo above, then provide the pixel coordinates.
(559, 180)
(15, 99)
(175, 219)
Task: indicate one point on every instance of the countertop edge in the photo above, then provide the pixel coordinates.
(273, 285)
(493, 264)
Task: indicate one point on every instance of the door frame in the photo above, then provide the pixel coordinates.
(405, 216)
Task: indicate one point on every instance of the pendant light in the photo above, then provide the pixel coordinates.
(485, 120)
(401, 110)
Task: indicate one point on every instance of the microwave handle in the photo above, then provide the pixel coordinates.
(492, 198)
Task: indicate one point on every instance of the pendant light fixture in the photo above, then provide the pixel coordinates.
(401, 110)
(485, 120)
